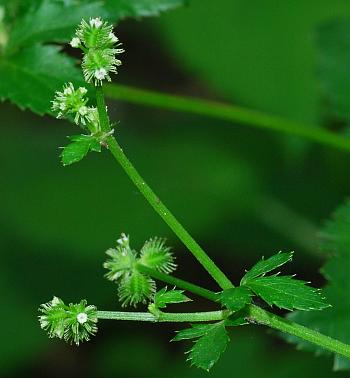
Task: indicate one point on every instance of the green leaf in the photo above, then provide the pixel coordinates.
(51, 21)
(30, 78)
(288, 293)
(119, 9)
(236, 298)
(265, 266)
(77, 150)
(334, 321)
(209, 347)
(30, 73)
(333, 40)
(251, 30)
(164, 297)
(196, 330)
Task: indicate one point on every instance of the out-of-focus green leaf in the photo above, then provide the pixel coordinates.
(52, 21)
(209, 347)
(236, 298)
(30, 72)
(335, 321)
(265, 266)
(78, 149)
(163, 297)
(30, 77)
(333, 66)
(140, 8)
(288, 293)
(254, 54)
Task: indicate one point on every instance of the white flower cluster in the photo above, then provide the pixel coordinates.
(100, 46)
(72, 102)
(73, 322)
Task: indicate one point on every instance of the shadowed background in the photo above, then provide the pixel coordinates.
(241, 192)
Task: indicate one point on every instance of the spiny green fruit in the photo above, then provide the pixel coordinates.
(136, 288)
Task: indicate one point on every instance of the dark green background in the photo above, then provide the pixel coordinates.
(241, 192)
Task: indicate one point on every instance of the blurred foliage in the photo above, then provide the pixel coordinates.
(224, 183)
(334, 321)
(256, 53)
(333, 67)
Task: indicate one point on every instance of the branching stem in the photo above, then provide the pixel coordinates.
(154, 201)
(254, 314)
(179, 283)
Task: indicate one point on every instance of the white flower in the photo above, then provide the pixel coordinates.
(82, 90)
(75, 42)
(100, 74)
(124, 239)
(113, 37)
(96, 22)
(83, 110)
(55, 301)
(82, 317)
(68, 90)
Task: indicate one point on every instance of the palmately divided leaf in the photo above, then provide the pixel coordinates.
(163, 297)
(30, 78)
(265, 266)
(209, 347)
(52, 21)
(334, 321)
(235, 298)
(79, 148)
(30, 69)
(288, 293)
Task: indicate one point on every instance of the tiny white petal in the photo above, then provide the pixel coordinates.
(68, 91)
(43, 321)
(55, 301)
(100, 74)
(113, 37)
(82, 90)
(83, 110)
(75, 42)
(82, 318)
(96, 22)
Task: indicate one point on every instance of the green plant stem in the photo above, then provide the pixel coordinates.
(227, 112)
(154, 201)
(102, 110)
(260, 316)
(182, 284)
(164, 317)
(255, 314)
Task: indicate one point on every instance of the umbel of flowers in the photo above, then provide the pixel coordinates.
(73, 322)
(100, 46)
